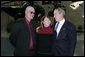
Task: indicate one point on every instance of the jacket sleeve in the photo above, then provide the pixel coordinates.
(72, 40)
(14, 33)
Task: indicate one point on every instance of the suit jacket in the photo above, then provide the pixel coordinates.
(66, 40)
(20, 38)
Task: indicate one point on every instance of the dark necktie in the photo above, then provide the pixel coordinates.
(55, 30)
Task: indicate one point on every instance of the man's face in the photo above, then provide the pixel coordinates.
(30, 12)
(57, 15)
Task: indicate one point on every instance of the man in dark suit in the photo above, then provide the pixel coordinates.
(64, 40)
(23, 35)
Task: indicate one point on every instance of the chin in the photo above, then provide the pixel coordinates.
(31, 18)
(57, 20)
(47, 26)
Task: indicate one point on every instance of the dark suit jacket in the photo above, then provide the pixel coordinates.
(66, 41)
(20, 38)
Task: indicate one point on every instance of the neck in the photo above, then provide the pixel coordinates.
(61, 19)
(46, 26)
(27, 18)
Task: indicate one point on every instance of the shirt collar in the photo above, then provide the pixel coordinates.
(62, 21)
(26, 20)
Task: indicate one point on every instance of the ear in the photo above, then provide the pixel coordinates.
(60, 13)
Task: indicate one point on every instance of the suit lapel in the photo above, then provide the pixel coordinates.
(54, 24)
(62, 32)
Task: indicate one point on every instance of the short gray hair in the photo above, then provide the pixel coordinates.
(61, 11)
(29, 7)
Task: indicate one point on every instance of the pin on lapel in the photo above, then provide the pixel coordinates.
(63, 28)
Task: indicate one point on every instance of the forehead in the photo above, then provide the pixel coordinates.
(46, 18)
(29, 8)
(56, 11)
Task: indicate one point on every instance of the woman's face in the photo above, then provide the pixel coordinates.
(46, 22)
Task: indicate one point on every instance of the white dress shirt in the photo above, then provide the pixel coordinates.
(60, 26)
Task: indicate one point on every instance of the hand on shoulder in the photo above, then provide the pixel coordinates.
(37, 29)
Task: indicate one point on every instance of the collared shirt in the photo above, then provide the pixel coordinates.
(31, 34)
(60, 26)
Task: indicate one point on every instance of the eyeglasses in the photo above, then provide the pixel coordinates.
(32, 12)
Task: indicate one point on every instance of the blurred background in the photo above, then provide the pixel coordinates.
(12, 11)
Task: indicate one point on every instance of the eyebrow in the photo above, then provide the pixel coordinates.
(30, 11)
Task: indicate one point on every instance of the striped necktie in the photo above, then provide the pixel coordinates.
(55, 30)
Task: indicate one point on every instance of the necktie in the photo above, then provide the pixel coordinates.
(31, 34)
(55, 30)
(31, 40)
